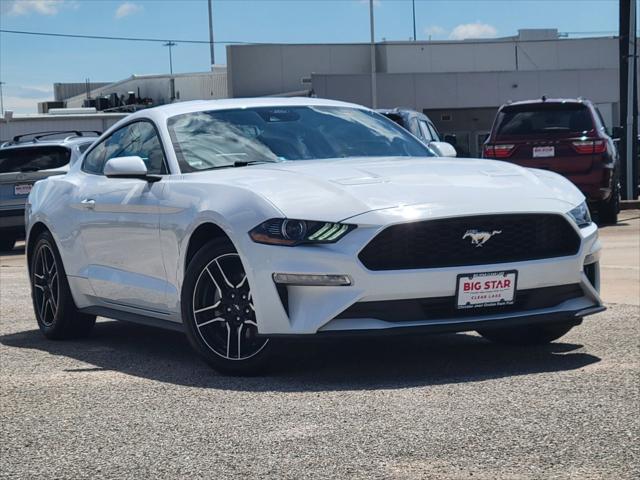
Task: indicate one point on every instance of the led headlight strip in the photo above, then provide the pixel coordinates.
(290, 232)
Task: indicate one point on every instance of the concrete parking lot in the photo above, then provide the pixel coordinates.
(135, 402)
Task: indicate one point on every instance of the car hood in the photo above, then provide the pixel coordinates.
(334, 190)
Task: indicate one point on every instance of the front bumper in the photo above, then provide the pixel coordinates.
(305, 310)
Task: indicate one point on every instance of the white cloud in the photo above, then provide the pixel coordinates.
(127, 8)
(473, 30)
(25, 98)
(434, 30)
(25, 7)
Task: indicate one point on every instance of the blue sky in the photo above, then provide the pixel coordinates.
(30, 65)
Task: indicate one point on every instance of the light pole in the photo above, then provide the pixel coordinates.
(170, 44)
(374, 93)
(213, 54)
(1, 100)
(413, 4)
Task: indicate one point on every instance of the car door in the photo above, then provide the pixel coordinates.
(119, 228)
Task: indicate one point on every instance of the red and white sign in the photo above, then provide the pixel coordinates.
(486, 289)
(544, 152)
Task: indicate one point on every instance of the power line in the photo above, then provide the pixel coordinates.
(104, 37)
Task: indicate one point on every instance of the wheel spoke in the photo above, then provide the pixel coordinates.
(214, 281)
(244, 279)
(210, 307)
(228, 338)
(224, 275)
(213, 320)
(239, 333)
(42, 304)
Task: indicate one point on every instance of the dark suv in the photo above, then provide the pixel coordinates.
(567, 136)
(27, 159)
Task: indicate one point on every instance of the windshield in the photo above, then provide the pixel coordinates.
(225, 138)
(32, 159)
(550, 118)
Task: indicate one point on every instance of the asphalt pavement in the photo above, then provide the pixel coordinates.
(133, 402)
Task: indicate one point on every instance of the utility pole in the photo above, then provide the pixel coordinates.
(374, 93)
(170, 44)
(211, 45)
(413, 4)
(628, 99)
(1, 101)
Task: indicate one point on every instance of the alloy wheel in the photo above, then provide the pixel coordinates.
(46, 283)
(223, 309)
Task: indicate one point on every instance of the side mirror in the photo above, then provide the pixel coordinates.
(617, 132)
(451, 139)
(443, 149)
(128, 167)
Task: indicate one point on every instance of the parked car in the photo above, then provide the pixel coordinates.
(566, 136)
(25, 160)
(422, 127)
(241, 220)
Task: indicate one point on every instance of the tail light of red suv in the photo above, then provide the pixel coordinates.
(498, 150)
(589, 147)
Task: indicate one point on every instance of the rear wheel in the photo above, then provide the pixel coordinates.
(7, 241)
(56, 312)
(218, 312)
(608, 209)
(529, 335)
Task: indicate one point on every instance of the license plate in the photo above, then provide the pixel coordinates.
(491, 289)
(543, 152)
(22, 188)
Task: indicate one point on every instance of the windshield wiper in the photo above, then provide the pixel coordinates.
(239, 163)
(244, 163)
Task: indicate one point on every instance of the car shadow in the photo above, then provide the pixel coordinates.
(309, 365)
(19, 249)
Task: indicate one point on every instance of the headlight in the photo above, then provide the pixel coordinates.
(581, 215)
(285, 231)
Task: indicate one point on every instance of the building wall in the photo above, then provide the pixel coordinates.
(256, 70)
(496, 56)
(468, 90)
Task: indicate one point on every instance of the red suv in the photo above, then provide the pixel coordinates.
(565, 136)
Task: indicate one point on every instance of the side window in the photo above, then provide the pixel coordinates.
(434, 133)
(424, 128)
(136, 139)
(94, 160)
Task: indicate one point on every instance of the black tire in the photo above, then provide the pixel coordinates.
(608, 209)
(57, 315)
(225, 330)
(7, 242)
(528, 335)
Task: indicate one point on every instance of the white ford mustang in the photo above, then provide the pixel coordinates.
(239, 220)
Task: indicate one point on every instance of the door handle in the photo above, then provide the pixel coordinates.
(88, 203)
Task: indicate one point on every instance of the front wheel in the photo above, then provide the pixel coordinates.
(527, 335)
(218, 312)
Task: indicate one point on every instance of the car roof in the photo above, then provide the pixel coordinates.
(179, 108)
(545, 100)
(68, 141)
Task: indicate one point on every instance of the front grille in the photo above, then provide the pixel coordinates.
(440, 243)
(443, 308)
